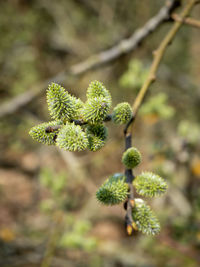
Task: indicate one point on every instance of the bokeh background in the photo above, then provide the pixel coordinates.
(48, 210)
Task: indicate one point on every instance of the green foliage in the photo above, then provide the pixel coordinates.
(157, 105)
(54, 183)
(39, 133)
(77, 237)
(71, 137)
(60, 103)
(189, 131)
(113, 191)
(96, 109)
(97, 135)
(144, 218)
(122, 113)
(135, 76)
(131, 158)
(149, 184)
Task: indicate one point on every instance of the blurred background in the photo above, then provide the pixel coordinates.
(48, 210)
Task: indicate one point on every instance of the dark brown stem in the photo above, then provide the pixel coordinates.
(79, 122)
(51, 129)
(129, 179)
(128, 124)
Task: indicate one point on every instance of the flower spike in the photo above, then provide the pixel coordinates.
(113, 191)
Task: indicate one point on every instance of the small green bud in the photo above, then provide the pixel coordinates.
(97, 135)
(96, 109)
(122, 113)
(131, 158)
(72, 138)
(149, 184)
(113, 191)
(97, 89)
(60, 103)
(144, 218)
(39, 132)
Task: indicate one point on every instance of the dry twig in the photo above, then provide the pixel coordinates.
(105, 57)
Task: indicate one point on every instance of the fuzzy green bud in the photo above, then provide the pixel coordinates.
(149, 184)
(40, 134)
(96, 109)
(72, 138)
(131, 158)
(78, 106)
(113, 191)
(144, 218)
(97, 89)
(97, 135)
(60, 103)
(122, 113)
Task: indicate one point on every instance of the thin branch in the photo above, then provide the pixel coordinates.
(51, 129)
(158, 55)
(127, 45)
(189, 21)
(105, 57)
(129, 179)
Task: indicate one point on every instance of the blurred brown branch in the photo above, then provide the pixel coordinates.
(188, 21)
(95, 61)
(158, 55)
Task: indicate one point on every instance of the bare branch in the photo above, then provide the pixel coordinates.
(158, 55)
(124, 47)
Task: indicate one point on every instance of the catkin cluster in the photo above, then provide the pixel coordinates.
(115, 190)
(78, 126)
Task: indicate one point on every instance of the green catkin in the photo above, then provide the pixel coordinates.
(60, 103)
(95, 110)
(131, 158)
(149, 184)
(39, 132)
(97, 89)
(122, 113)
(78, 106)
(113, 191)
(97, 135)
(72, 138)
(144, 218)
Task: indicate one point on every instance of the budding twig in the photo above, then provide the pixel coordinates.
(158, 55)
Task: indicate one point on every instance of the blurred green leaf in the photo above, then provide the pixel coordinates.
(135, 76)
